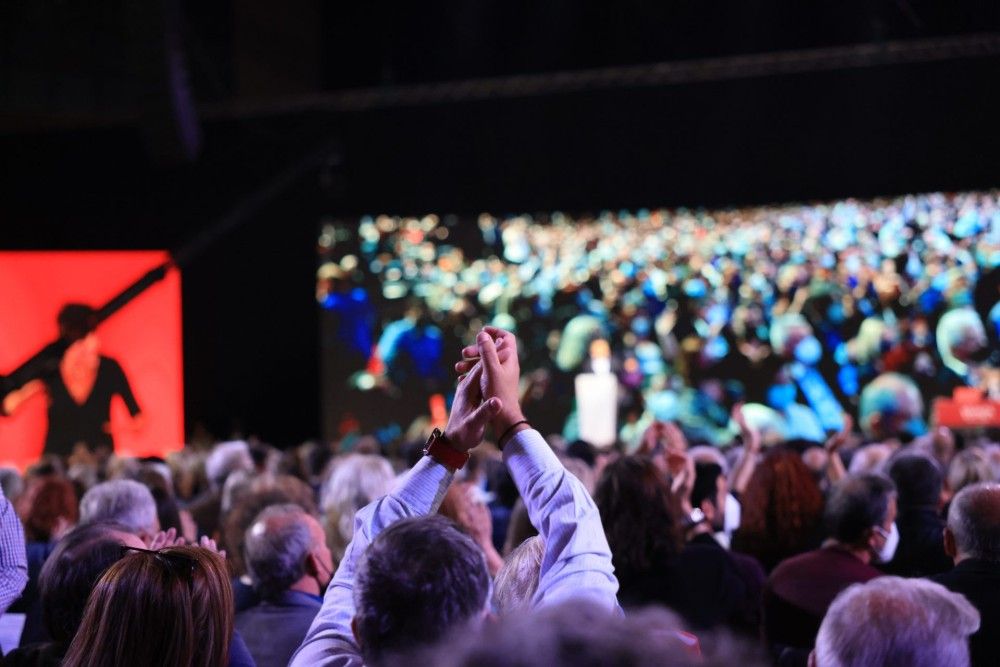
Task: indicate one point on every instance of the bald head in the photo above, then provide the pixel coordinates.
(974, 522)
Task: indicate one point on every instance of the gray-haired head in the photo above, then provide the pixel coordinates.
(122, 501)
(895, 622)
(11, 482)
(517, 580)
(974, 522)
(583, 633)
(275, 548)
(225, 459)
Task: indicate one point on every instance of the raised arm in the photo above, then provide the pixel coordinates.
(751, 451)
(330, 640)
(577, 559)
(13, 561)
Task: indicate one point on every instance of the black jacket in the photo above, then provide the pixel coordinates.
(979, 582)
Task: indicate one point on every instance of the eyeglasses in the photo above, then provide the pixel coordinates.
(177, 562)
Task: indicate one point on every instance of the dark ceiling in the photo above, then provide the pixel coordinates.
(124, 127)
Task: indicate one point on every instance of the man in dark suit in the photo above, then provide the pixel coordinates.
(860, 517)
(972, 539)
(919, 481)
(290, 566)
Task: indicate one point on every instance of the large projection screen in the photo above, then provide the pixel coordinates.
(144, 338)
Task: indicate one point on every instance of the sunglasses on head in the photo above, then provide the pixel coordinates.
(177, 562)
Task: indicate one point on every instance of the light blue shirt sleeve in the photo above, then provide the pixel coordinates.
(330, 641)
(577, 559)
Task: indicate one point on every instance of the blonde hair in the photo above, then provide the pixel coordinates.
(355, 481)
(517, 581)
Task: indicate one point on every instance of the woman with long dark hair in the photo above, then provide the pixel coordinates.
(166, 608)
(645, 530)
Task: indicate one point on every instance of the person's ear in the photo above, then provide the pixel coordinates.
(354, 631)
(873, 536)
(875, 423)
(312, 565)
(812, 658)
(708, 509)
(950, 548)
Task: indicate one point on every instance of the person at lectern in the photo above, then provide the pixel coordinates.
(80, 390)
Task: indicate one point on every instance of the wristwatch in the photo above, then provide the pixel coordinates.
(440, 449)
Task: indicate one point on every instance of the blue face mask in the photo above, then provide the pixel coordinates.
(809, 351)
(780, 396)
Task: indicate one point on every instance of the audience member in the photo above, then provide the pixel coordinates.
(578, 634)
(782, 509)
(163, 608)
(919, 483)
(49, 508)
(859, 518)
(645, 531)
(225, 459)
(896, 622)
(13, 561)
(356, 480)
(290, 565)
(515, 585)
(464, 506)
(970, 466)
(122, 501)
(65, 583)
(420, 577)
(972, 540)
(710, 495)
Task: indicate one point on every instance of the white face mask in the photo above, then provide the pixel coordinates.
(888, 550)
(730, 520)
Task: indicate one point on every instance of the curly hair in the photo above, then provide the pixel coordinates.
(639, 514)
(782, 509)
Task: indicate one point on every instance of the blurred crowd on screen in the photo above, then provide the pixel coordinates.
(795, 309)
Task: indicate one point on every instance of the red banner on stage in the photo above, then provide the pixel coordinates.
(967, 409)
(144, 338)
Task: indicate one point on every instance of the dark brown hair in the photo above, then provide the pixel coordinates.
(171, 608)
(639, 514)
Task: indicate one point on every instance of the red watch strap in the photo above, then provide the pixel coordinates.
(439, 449)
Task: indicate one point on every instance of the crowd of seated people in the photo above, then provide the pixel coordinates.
(492, 545)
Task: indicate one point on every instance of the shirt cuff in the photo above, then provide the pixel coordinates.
(423, 488)
(527, 454)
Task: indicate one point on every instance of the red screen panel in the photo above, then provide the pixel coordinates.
(144, 337)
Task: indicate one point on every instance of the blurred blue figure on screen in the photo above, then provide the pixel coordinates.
(355, 316)
(411, 350)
